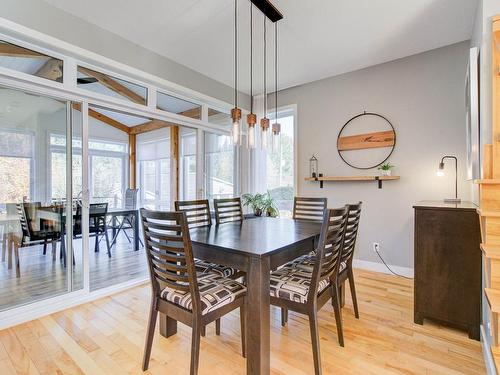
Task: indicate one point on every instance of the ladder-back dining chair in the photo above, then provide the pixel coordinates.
(177, 291)
(228, 210)
(309, 209)
(126, 221)
(198, 215)
(305, 292)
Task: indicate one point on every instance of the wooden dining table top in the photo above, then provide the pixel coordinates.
(257, 236)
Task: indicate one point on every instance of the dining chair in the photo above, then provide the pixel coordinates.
(305, 292)
(198, 215)
(126, 221)
(98, 227)
(31, 234)
(309, 209)
(177, 291)
(306, 263)
(228, 209)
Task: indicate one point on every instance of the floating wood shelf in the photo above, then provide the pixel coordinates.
(379, 179)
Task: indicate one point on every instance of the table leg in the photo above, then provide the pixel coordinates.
(10, 248)
(258, 333)
(168, 326)
(113, 225)
(136, 231)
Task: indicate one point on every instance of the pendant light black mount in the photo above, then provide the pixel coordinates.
(269, 10)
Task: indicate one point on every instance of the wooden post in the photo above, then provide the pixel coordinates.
(495, 51)
(174, 157)
(132, 160)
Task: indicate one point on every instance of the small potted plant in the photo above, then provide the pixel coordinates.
(261, 204)
(255, 202)
(386, 169)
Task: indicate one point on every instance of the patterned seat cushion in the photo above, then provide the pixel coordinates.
(293, 284)
(215, 292)
(203, 267)
(306, 263)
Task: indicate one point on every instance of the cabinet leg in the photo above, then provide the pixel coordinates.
(418, 318)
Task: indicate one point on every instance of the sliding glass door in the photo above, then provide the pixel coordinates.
(37, 197)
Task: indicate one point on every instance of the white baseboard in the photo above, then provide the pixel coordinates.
(380, 267)
(488, 358)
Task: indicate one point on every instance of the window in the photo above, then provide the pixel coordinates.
(101, 83)
(16, 164)
(280, 170)
(30, 62)
(108, 169)
(188, 164)
(182, 107)
(154, 171)
(219, 118)
(219, 166)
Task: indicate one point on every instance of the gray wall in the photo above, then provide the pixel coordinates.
(423, 96)
(41, 16)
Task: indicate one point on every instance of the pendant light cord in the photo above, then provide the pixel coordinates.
(276, 72)
(265, 70)
(251, 57)
(235, 53)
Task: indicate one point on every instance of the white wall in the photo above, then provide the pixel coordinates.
(423, 96)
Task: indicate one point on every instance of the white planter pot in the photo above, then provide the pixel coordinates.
(386, 172)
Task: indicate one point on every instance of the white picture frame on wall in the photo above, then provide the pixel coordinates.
(472, 116)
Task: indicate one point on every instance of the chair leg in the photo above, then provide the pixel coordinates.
(338, 312)
(217, 327)
(313, 325)
(44, 247)
(243, 325)
(107, 242)
(195, 346)
(353, 293)
(54, 249)
(16, 260)
(153, 314)
(284, 316)
(203, 331)
(96, 248)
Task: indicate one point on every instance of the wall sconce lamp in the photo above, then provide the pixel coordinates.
(440, 172)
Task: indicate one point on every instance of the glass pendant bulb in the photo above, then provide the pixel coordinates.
(236, 127)
(251, 121)
(264, 136)
(276, 137)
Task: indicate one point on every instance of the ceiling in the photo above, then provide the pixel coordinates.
(318, 38)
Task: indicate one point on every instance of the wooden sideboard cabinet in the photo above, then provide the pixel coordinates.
(448, 265)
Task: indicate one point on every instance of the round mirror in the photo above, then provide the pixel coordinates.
(366, 141)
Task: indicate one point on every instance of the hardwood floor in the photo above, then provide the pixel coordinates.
(41, 277)
(107, 337)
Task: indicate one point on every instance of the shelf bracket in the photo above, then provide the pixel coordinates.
(379, 182)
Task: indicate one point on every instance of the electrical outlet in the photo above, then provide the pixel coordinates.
(376, 247)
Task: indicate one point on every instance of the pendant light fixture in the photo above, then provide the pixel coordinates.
(251, 117)
(276, 126)
(236, 112)
(264, 122)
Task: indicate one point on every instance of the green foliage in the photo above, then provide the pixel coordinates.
(386, 167)
(261, 203)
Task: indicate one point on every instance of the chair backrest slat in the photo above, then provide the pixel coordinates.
(330, 247)
(351, 232)
(131, 199)
(309, 209)
(197, 212)
(169, 253)
(228, 209)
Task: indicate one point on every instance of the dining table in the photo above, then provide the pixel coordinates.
(256, 246)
